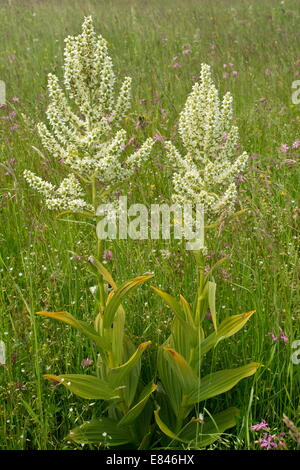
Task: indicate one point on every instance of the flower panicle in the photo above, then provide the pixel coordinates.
(207, 173)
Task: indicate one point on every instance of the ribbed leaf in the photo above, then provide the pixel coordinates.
(171, 385)
(117, 336)
(103, 431)
(201, 435)
(172, 303)
(103, 271)
(184, 374)
(212, 302)
(220, 382)
(86, 386)
(227, 328)
(118, 374)
(82, 326)
(165, 429)
(114, 303)
(135, 411)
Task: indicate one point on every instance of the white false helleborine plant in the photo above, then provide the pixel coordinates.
(90, 141)
(206, 174)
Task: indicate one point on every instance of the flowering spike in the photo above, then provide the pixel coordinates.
(84, 122)
(206, 174)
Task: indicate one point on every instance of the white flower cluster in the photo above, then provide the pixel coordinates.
(207, 173)
(83, 129)
(67, 196)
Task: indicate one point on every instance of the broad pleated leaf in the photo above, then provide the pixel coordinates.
(86, 386)
(219, 382)
(103, 431)
(82, 326)
(183, 372)
(117, 336)
(172, 303)
(227, 328)
(103, 271)
(212, 302)
(117, 374)
(136, 410)
(165, 429)
(116, 299)
(171, 385)
(201, 435)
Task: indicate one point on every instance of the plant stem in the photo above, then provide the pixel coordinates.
(100, 250)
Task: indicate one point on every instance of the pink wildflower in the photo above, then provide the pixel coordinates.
(296, 144)
(86, 362)
(274, 338)
(259, 426)
(284, 337)
(270, 441)
(186, 51)
(284, 148)
(107, 255)
(158, 137)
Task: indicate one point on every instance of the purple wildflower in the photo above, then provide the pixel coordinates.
(15, 99)
(86, 362)
(274, 338)
(270, 441)
(284, 148)
(262, 425)
(107, 255)
(158, 137)
(186, 51)
(296, 144)
(284, 337)
(225, 274)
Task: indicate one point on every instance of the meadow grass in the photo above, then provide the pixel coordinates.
(37, 271)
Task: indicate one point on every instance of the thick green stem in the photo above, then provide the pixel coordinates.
(200, 296)
(100, 251)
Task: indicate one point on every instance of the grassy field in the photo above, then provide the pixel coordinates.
(146, 38)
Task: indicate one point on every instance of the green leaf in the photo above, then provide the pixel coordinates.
(86, 386)
(82, 326)
(227, 328)
(172, 303)
(219, 382)
(171, 386)
(116, 299)
(198, 435)
(103, 271)
(118, 374)
(135, 411)
(183, 372)
(117, 336)
(203, 434)
(103, 431)
(164, 428)
(212, 302)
